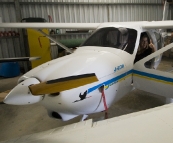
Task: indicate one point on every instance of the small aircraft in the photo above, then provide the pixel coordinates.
(96, 74)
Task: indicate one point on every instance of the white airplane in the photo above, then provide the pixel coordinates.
(96, 74)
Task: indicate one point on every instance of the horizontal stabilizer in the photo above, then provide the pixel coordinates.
(18, 59)
(61, 84)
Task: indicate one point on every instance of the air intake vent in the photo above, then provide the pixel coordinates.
(56, 115)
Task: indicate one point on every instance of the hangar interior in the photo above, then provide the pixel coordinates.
(16, 121)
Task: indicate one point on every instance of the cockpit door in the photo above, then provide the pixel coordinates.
(152, 80)
(158, 43)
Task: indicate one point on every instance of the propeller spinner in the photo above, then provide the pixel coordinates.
(21, 95)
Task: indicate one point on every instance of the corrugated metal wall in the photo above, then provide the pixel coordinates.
(77, 11)
(91, 12)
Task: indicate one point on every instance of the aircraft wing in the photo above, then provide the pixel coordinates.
(3, 60)
(147, 25)
(152, 125)
(51, 25)
(151, 80)
(158, 25)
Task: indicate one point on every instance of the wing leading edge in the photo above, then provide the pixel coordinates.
(158, 24)
(91, 26)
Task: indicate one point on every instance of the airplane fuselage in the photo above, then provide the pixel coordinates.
(111, 71)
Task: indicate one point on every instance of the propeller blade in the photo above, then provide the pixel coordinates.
(61, 84)
(3, 95)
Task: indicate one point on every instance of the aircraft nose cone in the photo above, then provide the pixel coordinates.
(21, 95)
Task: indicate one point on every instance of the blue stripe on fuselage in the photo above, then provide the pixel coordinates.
(110, 81)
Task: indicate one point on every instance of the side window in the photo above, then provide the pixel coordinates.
(149, 43)
(143, 48)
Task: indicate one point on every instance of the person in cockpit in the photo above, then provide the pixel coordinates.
(146, 47)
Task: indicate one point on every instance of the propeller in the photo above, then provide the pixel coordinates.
(61, 84)
(24, 93)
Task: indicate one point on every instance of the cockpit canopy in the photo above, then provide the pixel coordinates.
(120, 38)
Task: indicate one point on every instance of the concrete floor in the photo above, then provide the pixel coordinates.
(16, 121)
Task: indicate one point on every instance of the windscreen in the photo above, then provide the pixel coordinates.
(120, 38)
